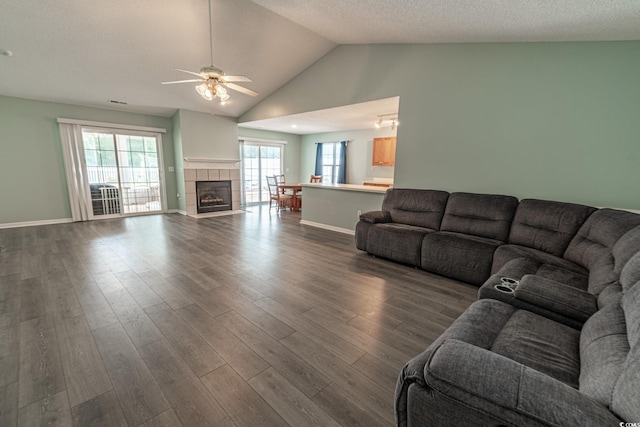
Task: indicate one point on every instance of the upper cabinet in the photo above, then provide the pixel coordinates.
(384, 151)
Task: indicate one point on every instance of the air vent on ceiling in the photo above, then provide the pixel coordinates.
(115, 101)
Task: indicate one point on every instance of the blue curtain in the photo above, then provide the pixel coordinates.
(342, 168)
(318, 159)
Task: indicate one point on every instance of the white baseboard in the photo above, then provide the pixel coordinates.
(215, 214)
(177, 211)
(328, 227)
(35, 223)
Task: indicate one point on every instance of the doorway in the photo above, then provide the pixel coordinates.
(123, 171)
(259, 159)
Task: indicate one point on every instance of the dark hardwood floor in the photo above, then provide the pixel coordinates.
(245, 320)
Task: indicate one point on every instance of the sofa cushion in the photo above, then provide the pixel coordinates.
(459, 256)
(610, 295)
(626, 247)
(482, 215)
(630, 274)
(506, 253)
(399, 242)
(602, 274)
(599, 234)
(421, 208)
(631, 305)
(626, 393)
(546, 225)
(603, 351)
(542, 344)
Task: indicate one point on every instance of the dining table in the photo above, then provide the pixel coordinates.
(294, 188)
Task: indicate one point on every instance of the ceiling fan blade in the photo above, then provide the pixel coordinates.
(236, 79)
(242, 89)
(191, 72)
(183, 81)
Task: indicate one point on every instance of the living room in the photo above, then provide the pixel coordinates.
(531, 114)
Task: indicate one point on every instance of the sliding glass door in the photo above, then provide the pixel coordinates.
(258, 161)
(123, 172)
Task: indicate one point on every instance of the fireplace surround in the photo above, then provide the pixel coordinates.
(210, 171)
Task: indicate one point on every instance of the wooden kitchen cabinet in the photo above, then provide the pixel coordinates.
(384, 151)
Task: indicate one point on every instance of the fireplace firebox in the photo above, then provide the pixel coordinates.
(213, 196)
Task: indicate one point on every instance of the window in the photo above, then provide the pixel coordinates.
(330, 162)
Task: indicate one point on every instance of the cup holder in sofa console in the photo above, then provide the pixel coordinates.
(507, 285)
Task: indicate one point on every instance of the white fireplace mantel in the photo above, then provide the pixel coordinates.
(210, 163)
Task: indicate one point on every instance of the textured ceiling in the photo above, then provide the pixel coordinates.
(90, 52)
(455, 21)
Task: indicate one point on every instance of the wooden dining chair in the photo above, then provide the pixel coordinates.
(316, 179)
(275, 195)
(280, 180)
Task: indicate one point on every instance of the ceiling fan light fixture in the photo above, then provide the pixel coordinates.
(204, 91)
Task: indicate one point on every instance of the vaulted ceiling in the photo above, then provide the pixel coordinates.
(94, 52)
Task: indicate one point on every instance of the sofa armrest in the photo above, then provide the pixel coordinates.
(487, 382)
(556, 296)
(376, 217)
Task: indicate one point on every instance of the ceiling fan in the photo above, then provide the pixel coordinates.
(213, 81)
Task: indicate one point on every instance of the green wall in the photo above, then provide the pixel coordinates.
(291, 149)
(548, 120)
(32, 177)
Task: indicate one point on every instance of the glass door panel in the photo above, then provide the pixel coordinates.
(123, 173)
(257, 162)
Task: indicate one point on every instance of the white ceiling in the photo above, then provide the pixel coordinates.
(90, 52)
(348, 117)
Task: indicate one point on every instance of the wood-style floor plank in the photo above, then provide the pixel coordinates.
(50, 411)
(185, 341)
(9, 405)
(85, 374)
(295, 369)
(101, 411)
(244, 360)
(189, 398)
(377, 398)
(41, 373)
(137, 390)
(134, 320)
(288, 401)
(244, 406)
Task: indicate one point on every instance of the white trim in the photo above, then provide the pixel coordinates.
(263, 141)
(328, 227)
(35, 223)
(207, 160)
(110, 125)
(178, 211)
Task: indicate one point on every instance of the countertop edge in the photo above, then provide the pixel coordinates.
(348, 187)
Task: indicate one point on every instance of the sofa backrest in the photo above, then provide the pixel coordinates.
(598, 235)
(422, 208)
(626, 393)
(547, 225)
(626, 247)
(610, 349)
(483, 215)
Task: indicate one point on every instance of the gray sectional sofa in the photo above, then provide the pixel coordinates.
(554, 338)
